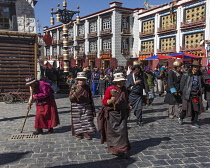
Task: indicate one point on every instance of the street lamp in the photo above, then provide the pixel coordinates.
(65, 16)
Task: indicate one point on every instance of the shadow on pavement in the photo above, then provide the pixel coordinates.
(11, 157)
(15, 118)
(136, 147)
(62, 129)
(149, 120)
(204, 121)
(111, 163)
(139, 146)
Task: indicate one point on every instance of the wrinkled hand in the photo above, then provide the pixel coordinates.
(130, 107)
(29, 106)
(112, 100)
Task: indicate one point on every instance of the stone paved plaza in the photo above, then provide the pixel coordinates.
(160, 143)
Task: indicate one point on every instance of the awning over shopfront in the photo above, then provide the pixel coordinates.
(158, 57)
(183, 55)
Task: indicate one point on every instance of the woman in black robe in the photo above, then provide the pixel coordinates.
(112, 119)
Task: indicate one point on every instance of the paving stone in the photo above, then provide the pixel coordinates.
(160, 143)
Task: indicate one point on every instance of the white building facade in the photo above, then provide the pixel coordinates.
(118, 35)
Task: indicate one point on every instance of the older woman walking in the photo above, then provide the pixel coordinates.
(46, 109)
(112, 119)
(82, 108)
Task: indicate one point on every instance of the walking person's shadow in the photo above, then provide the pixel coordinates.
(136, 147)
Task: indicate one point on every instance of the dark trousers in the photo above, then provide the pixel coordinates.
(138, 114)
(194, 118)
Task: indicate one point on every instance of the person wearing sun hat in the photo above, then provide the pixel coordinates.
(191, 87)
(46, 110)
(82, 108)
(112, 119)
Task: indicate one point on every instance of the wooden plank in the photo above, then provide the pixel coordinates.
(16, 52)
(16, 48)
(16, 72)
(16, 66)
(15, 62)
(16, 59)
(16, 56)
(16, 45)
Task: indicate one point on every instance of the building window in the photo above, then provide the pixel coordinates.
(168, 44)
(71, 32)
(107, 44)
(93, 45)
(60, 35)
(148, 26)
(60, 50)
(81, 29)
(47, 51)
(147, 46)
(71, 48)
(106, 23)
(4, 18)
(54, 36)
(193, 40)
(54, 51)
(93, 26)
(81, 47)
(125, 43)
(195, 13)
(168, 20)
(125, 22)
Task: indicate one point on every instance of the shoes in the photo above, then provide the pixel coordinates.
(38, 131)
(87, 136)
(171, 116)
(180, 121)
(195, 125)
(50, 131)
(139, 123)
(79, 136)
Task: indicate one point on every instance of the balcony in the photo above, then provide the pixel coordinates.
(105, 53)
(146, 52)
(70, 38)
(166, 50)
(167, 29)
(195, 47)
(53, 57)
(80, 37)
(106, 32)
(92, 35)
(192, 24)
(146, 33)
(71, 54)
(92, 55)
(125, 52)
(126, 32)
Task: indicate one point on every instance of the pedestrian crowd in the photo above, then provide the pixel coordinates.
(122, 90)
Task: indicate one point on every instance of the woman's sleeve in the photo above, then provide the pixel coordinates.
(106, 96)
(45, 92)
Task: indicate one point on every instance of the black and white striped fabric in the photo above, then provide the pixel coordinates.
(82, 118)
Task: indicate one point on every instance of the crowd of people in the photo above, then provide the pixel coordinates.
(122, 91)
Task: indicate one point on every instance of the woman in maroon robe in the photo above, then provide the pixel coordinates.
(46, 109)
(112, 119)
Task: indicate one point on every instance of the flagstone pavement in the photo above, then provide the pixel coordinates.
(160, 143)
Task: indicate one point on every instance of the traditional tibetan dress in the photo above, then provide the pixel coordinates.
(82, 111)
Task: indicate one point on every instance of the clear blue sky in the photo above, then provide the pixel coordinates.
(42, 8)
